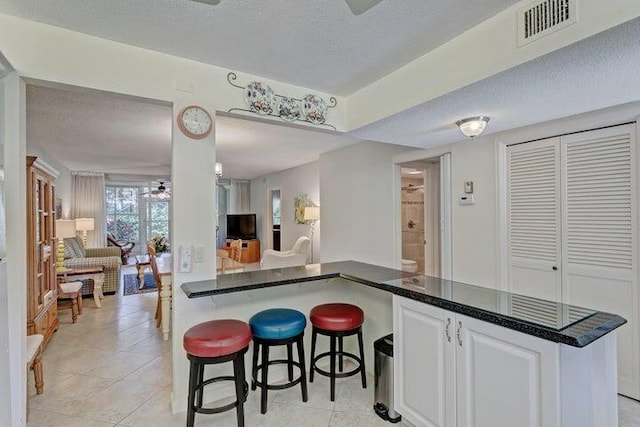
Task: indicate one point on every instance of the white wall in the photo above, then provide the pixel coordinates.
(294, 182)
(16, 205)
(5, 360)
(358, 208)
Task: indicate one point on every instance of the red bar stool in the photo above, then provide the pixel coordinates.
(214, 342)
(337, 321)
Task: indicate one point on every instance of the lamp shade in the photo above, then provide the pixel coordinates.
(65, 228)
(85, 224)
(311, 213)
(473, 126)
(218, 169)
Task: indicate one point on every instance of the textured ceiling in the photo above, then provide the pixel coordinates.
(595, 73)
(103, 132)
(106, 132)
(318, 44)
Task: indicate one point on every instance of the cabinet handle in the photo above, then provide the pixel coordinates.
(447, 329)
(458, 333)
(554, 268)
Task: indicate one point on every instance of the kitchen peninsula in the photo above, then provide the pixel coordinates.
(464, 355)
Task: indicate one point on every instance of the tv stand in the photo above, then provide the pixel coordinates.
(250, 250)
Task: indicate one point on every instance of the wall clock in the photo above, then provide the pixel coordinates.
(195, 122)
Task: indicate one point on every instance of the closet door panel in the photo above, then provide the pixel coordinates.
(534, 218)
(600, 235)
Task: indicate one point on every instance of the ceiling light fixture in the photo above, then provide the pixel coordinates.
(473, 126)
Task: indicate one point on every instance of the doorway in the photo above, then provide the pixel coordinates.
(424, 217)
(273, 217)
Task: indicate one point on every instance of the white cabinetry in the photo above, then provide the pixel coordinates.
(453, 370)
(504, 377)
(423, 359)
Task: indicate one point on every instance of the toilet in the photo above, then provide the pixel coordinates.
(409, 265)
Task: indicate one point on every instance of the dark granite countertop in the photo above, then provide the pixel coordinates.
(548, 320)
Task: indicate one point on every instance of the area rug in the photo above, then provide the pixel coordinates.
(131, 284)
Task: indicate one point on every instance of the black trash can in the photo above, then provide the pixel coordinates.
(383, 379)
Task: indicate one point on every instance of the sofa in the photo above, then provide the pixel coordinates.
(76, 256)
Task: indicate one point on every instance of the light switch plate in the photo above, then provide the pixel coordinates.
(467, 200)
(199, 254)
(468, 187)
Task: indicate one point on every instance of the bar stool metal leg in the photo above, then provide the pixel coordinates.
(238, 372)
(265, 370)
(290, 360)
(340, 350)
(363, 372)
(303, 374)
(332, 358)
(254, 365)
(200, 391)
(194, 370)
(314, 335)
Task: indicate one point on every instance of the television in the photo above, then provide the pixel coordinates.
(241, 226)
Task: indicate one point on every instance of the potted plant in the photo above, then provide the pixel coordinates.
(160, 243)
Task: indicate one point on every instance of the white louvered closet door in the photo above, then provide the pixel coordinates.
(534, 218)
(599, 233)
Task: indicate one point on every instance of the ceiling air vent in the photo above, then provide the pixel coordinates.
(544, 17)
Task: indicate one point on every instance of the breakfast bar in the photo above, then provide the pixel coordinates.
(463, 354)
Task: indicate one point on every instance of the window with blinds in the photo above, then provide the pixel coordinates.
(598, 217)
(533, 201)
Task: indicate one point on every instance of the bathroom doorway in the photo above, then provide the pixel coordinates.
(421, 216)
(273, 217)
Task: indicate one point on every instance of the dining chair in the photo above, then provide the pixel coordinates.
(236, 250)
(226, 264)
(156, 278)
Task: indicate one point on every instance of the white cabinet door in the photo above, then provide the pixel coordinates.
(423, 363)
(505, 378)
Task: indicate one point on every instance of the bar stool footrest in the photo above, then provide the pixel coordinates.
(295, 381)
(321, 371)
(219, 409)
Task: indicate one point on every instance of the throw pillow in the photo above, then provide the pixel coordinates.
(71, 248)
(80, 248)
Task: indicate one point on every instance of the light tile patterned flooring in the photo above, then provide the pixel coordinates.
(112, 368)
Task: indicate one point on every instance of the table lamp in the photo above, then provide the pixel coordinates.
(65, 228)
(84, 225)
(312, 214)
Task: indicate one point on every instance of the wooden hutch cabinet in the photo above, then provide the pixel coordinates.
(42, 289)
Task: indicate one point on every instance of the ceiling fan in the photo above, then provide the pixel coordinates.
(357, 6)
(161, 192)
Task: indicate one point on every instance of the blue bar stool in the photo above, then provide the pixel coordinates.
(275, 327)
(214, 342)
